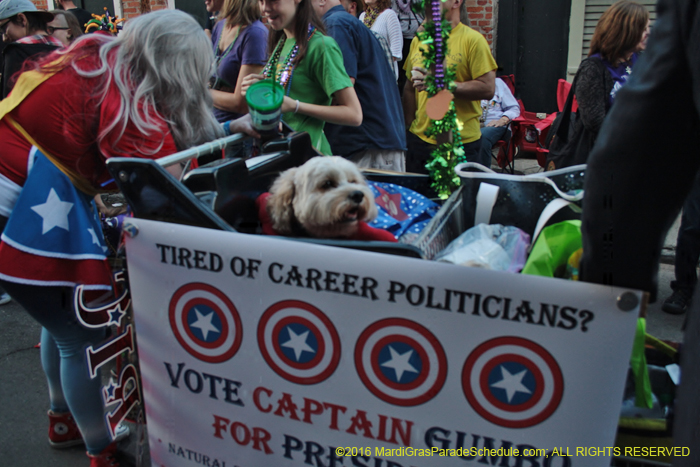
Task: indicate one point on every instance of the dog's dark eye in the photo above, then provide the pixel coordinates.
(328, 184)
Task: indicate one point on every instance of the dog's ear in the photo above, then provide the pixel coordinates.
(372, 211)
(279, 204)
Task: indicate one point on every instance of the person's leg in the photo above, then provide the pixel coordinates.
(687, 254)
(489, 136)
(63, 431)
(472, 152)
(402, 74)
(52, 307)
(4, 297)
(418, 154)
(51, 363)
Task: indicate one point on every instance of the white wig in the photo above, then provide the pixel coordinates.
(161, 65)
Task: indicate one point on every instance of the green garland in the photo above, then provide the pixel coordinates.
(446, 156)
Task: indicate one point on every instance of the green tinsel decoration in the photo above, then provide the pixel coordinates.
(446, 156)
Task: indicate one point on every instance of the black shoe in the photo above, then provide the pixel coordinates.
(677, 303)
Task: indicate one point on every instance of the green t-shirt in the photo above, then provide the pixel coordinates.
(319, 74)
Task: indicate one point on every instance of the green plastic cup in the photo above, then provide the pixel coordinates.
(264, 100)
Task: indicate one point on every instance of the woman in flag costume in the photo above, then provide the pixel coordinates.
(142, 94)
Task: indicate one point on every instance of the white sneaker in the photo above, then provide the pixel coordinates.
(5, 298)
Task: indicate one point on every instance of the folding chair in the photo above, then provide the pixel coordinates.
(528, 132)
(542, 127)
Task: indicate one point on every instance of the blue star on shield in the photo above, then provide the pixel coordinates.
(512, 383)
(298, 343)
(108, 391)
(204, 323)
(400, 363)
(115, 315)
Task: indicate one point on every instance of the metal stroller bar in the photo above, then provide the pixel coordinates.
(202, 149)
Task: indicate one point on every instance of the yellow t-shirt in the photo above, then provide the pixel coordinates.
(469, 51)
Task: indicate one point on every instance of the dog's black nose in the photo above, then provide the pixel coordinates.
(356, 196)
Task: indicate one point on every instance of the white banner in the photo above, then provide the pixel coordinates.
(262, 351)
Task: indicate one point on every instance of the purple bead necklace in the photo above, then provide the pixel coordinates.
(284, 74)
(437, 42)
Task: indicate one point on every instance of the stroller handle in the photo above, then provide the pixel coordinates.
(202, 149)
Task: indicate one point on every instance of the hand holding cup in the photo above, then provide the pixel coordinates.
(248, 81)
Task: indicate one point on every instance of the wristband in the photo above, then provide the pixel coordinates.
(296, 109)
(227, 128)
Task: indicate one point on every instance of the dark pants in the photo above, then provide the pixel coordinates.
(402, 74)
(419, 151)
(688, 243)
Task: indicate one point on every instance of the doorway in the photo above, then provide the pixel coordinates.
(533, 44)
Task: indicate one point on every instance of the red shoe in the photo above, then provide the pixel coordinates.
(106, 458)
(63, 432)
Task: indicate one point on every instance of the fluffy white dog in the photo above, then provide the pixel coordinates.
(327, 197)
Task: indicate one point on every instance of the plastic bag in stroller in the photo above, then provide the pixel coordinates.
(528, 202)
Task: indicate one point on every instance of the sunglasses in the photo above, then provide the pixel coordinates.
(51, 29)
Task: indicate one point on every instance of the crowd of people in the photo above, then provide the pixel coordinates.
(339, 90)
(353, 79)
(338, 62)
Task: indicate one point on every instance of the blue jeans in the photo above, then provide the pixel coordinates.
(63, 357)
(688, 243)
(489, 136)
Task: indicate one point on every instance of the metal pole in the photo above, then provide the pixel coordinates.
(206, 148)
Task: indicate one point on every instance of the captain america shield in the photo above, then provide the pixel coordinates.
(205, 322)
(512, 382)
(298, 342)
(400, 362)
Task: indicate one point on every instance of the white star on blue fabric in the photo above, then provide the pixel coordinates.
(204, 323)
(511, 383)
(297, 342)
(399, 362)
(95, 240)
(53, 212)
